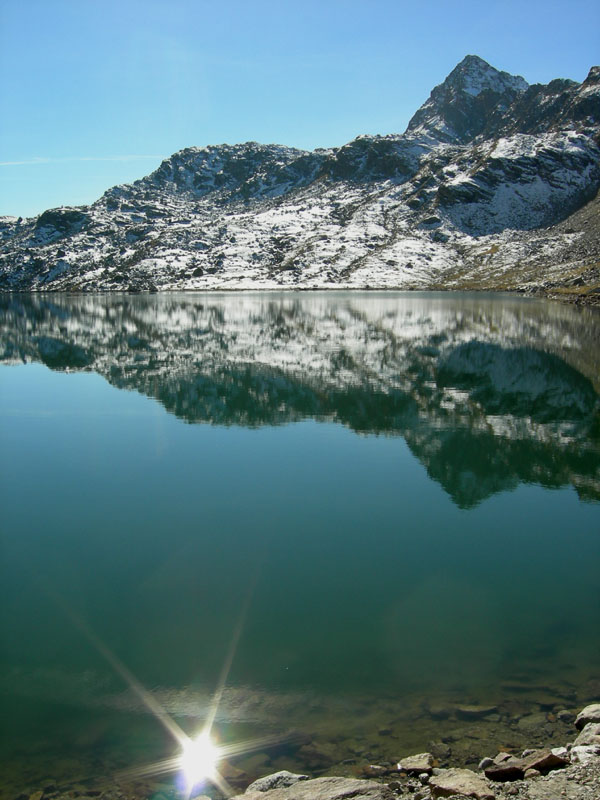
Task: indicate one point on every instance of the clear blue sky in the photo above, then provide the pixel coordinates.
(96, 92)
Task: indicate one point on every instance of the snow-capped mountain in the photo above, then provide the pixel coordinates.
(486, 395)
(494, 184)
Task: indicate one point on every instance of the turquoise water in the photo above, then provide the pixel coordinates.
(394, 500)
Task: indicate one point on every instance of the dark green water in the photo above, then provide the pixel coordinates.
(397, 498)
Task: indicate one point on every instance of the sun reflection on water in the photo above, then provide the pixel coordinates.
(199, 760)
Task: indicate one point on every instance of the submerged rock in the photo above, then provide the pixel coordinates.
(237, 777)
(439, 711)
(440, 750)
(474, 712)
(566, 716)
(533, 723)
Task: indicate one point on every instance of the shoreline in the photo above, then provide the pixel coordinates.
(551, 769)
(590, 299)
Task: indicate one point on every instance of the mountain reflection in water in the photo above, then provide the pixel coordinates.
(486, 392)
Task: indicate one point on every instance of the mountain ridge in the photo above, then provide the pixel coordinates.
(472, 195)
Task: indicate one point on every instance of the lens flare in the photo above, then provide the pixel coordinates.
(199, 760)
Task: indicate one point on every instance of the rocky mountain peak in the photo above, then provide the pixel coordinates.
(474, 75)
(593, 77)
(459, 108)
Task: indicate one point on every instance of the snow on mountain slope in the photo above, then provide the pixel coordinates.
(489, 166)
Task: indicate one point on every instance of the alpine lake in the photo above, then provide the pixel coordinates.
(350, 526)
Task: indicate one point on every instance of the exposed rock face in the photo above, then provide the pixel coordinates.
(463, 199)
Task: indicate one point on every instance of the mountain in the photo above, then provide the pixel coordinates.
(494, 185)
(486, 395)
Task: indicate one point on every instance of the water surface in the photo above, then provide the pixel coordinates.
(395, 497)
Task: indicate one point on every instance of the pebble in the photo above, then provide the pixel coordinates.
(532, 773)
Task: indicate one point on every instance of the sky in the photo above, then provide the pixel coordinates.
(97, 92)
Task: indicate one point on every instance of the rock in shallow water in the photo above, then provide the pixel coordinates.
(474, 712)
(422, 762)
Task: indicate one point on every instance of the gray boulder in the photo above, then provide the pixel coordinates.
(584, 754)
(421, 762)
(590, 713)
(463, 782)
(277, 780)
(589, 735)
(324, 789)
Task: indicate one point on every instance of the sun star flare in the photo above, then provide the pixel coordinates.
(199, 759)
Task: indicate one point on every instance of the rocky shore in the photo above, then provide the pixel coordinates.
(570, 771)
